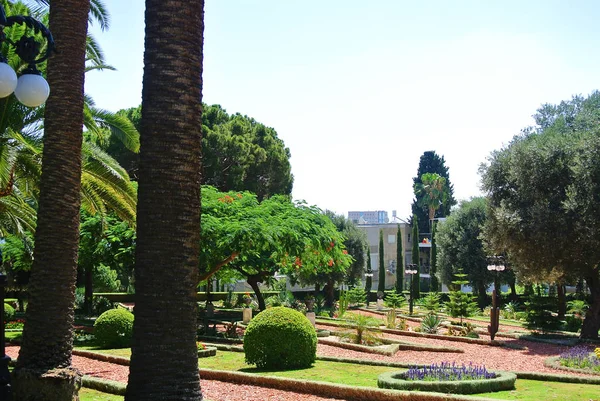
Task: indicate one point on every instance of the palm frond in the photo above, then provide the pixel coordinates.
(99, 13)
(120, 126)
(16, 216)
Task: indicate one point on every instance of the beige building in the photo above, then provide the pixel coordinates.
(390, 233)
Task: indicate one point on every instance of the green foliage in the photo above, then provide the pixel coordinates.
(416, 278)
(394, 300)
(395, 380)
(343, 303)
(399, 262)
(431, 302)
(357, 296)
(431, 192)
(543, 189)
(381, 283)
(114, 328)
(460, 304)
(539, 314)
(361, 329)
(510, 310)
(578, 308)
(431, 323)
(280, 338)
(431, 162)
(17, 252)
(9, 313)
(355, 244)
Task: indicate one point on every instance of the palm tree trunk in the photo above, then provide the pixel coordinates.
(164, 357)
(47, 336)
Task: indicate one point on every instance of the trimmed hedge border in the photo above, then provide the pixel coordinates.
(503, 381)
(408, 346)
(387, 350)
(554, 363)
(103, 385)
(330, 390)
(221, 339)
(208, 351)
(553, 377)
(226, 347)
(117, 360)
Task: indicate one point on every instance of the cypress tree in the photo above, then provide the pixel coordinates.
(399, 263)
(369, 280)
(434, 284)
(381, 285)
(415, 257)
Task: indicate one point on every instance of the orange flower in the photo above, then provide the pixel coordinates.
(330, 262)
(345, 252)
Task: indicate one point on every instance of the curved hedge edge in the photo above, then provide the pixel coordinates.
(407, 346)
(225, 347)
(554, 363)
(208, 351)
(369, 362)
(221, 339)
(103, 385)
(117, 360)
(330, 390)
(503, 381)
(389, 350)
(555, 341)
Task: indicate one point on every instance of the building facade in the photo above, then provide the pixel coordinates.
(368, 217)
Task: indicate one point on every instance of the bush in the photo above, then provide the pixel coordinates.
(431, 323)
(9, 313)
(539, 314)
(113, 329)
(280, 338)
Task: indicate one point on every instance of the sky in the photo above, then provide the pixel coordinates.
(359, 90)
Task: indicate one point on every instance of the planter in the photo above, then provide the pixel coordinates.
(208, 351)
(395, 380)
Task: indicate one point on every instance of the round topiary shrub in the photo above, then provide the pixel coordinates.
(9, 313)
(114, 328)
(280, 338)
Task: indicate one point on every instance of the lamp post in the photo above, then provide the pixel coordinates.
(411, 270)
(31, 89)
(495, 264)
(368, 283)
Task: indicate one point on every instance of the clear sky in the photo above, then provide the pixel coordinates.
(358, 90)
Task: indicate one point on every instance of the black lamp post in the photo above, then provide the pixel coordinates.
(31, 89)
(496, 264)
(5, 389)
(411, 270)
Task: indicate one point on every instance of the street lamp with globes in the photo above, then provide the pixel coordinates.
(31, 89)
(411, 270)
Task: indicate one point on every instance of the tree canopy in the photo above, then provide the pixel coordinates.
(238, 154)
(543, 191)
(431, 162)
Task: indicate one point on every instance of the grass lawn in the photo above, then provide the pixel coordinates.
(548, 391)
(86, 394)
(364, 375)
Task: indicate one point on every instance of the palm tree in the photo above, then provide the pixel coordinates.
(44, 366)
(432, 192)
(164, 356)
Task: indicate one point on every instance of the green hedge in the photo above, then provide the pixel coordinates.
(114, 328)
(280, 338)
(502, 381)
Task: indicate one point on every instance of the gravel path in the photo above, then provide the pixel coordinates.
(530, 359)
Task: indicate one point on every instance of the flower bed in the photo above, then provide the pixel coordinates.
(446, 378)
(206, 352)
(578, 359)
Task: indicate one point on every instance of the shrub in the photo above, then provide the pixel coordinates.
(431, 323)
(539, 314)
(361, 329)
(280, 338)
(113, 329)
(580, 357)
(357, 296)
(102, 304)
(9, 313)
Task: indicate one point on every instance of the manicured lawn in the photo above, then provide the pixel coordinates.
(86, 394)
(364, 375)
(531, 390)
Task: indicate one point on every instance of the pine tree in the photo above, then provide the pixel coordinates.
(434, 284)
(460, 304)
(399, 263)
(381, 285)
(415, 258)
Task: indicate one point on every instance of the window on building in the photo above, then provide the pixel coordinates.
(391, 238)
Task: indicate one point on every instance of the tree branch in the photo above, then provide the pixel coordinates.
(218, 266)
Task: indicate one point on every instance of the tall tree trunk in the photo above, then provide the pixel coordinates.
(44, 369)
(329, 293)
(591, 323)
(164, 356)
(513, 289)
(481, 294)
(253, 282)
(562, 300)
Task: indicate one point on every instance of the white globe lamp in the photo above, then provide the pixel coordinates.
(8, 80)
(32, 90)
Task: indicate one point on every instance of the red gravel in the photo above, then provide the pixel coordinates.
(530, 359)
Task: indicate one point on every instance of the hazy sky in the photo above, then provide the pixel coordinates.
(359, 90)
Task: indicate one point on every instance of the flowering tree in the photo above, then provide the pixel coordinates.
(257, 239)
